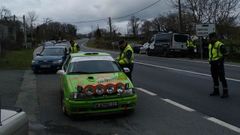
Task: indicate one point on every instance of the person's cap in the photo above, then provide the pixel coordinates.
(121, 42)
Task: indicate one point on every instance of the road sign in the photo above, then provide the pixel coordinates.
(202, 30)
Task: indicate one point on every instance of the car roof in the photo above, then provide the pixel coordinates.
(61, 44)
(89, 56)
(55, 47)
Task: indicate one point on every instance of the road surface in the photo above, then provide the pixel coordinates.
(173, 100)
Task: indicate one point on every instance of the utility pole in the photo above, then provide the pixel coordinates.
(110, 26)
(180, 15)
(24, 31)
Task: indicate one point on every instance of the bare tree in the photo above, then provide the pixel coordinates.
(47, 20)
(134, 24)
(211, 11)
(4, 12)
(147, 29)
(32, 17)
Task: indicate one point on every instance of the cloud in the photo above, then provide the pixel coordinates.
(72, 11)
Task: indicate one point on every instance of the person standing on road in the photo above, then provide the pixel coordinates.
(74, 47)
(126, 57)
(191, 47)
(217, 51)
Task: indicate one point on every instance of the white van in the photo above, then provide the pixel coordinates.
(13, 122)
(164, 44)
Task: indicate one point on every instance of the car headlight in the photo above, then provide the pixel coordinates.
(79, 89)
(34, 61)
(74, 95)
(89, 90)
(110, 89)
(129, 91)
(100, 90)
(120, 88)
(58, 61)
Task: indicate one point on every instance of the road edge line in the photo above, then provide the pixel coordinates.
(224, 124)
(147, 92)
(182, 70)
(179, 105)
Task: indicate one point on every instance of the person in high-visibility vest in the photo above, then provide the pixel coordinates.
(191, 47)
(217, 51)
(126, 57)
(74, 47)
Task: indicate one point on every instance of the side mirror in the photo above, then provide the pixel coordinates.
(126, 70)
(61, 72)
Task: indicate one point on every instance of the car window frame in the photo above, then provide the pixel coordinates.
(66, 63)
(117, 65)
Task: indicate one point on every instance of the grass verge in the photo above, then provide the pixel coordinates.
(101, 44)
(17, 59)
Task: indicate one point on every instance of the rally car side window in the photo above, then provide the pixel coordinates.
(66, 63)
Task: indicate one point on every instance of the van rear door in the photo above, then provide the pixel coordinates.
(179, 41)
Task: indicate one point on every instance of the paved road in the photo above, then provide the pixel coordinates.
(173, 100)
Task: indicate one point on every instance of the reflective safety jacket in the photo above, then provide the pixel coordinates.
(123, 58)
(74, 49)
(190, 44)
(214, 51)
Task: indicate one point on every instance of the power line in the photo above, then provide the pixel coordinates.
(121, 17)
(125, 16)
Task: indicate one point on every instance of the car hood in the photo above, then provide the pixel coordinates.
(48, 57)
(95, 79)
(6, 114)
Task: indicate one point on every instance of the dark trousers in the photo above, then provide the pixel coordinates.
(218, 73)
(129, 74)
(191, 52)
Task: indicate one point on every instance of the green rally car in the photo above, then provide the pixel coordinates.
(93, 83)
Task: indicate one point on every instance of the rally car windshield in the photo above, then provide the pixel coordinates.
(93, 66)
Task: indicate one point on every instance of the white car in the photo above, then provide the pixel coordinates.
(143, 49)
(13, 122)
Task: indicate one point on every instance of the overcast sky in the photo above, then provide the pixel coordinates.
(71, 11)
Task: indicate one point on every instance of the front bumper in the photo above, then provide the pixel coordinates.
(89, 106)
(49, 67)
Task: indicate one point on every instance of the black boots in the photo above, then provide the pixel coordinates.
(215, 92)
(225, 93)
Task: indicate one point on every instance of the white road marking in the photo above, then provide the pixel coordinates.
(147, 92)
(182, 70)
(224, 124)
(179, 105)
(204, 62)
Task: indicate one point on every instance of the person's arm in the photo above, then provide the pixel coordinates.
(223, 50)
(78, 48)
(129, 56)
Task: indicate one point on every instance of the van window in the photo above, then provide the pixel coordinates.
(163, 38)
(180, 38)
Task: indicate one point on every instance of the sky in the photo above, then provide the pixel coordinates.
(75, 11)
